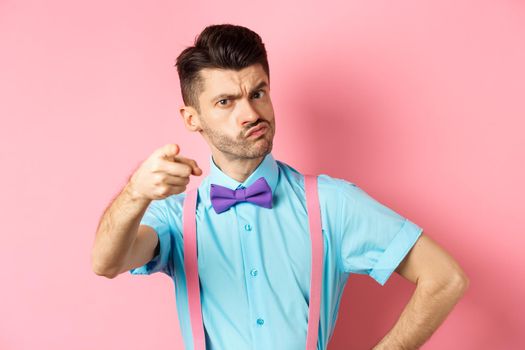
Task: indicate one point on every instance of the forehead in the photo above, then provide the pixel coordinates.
(216, 80)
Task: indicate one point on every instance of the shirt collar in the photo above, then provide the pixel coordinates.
(268, 169)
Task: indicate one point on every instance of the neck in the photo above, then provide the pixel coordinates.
(238, 169)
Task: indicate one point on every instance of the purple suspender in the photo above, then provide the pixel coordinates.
(192, 278)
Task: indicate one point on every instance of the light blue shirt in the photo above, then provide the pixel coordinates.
(254, 262)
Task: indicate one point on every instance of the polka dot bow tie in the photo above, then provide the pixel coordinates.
(222, 198)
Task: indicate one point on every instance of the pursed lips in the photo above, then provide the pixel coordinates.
(257, 128)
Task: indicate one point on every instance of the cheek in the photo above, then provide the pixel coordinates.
(268, 109)
(227, 129)
(213, 118)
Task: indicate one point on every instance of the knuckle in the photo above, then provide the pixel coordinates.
(187, 170)
(157, 179)
(159, 191)
(155, 164)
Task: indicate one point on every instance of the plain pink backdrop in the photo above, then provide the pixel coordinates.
(419, 103)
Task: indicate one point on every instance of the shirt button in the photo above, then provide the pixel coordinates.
(260, 321)
(247, 227)
(253, 272)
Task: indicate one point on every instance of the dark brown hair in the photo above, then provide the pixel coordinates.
(225, 46)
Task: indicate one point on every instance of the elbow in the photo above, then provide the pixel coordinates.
(458, 280)
(105, 273)
(108, 273)
(461, 282)
(455, 283)
(101, 269)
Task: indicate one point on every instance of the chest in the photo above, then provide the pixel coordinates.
(250, 245)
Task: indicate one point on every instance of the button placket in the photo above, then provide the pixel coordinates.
(252, 264)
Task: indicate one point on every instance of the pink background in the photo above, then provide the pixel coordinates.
(420, 103)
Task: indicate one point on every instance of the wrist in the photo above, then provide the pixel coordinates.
(134, 195)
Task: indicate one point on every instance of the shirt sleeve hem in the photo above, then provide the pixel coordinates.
(396, 251)
(158, 261)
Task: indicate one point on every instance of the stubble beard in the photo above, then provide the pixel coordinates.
(241, 147)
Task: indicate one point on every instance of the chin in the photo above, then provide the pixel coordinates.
(256, 152)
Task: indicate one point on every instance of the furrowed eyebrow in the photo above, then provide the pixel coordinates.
(259, 86)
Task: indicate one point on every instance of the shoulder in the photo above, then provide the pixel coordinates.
(334, 184)
(330, 187)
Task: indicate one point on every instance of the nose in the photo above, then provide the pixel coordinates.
(247, 113)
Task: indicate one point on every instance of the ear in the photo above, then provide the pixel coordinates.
(190, 118)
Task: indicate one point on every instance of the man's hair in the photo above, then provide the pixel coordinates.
(225, 46)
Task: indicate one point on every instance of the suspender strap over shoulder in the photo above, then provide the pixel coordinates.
(316, 236)
(191, 269)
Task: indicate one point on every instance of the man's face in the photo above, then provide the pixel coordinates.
(232, 102)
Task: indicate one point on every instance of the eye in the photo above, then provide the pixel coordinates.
(258, 92)
(222, 104)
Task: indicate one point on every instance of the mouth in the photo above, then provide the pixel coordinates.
(257, 130)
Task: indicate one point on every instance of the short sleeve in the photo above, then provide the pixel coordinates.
(374, 238)
(156, 217)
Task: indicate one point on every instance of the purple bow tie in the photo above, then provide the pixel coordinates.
(222, 198)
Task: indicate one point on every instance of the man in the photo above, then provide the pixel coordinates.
(254, 260)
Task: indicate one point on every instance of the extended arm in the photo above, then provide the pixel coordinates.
(114, 245)
(440, 283)
(121, 243)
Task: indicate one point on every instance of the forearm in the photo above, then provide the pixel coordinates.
(117, 231)
(424, 313)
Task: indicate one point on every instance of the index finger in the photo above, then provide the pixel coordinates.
(195, 170)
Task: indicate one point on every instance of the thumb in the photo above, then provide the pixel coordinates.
(169, 151)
